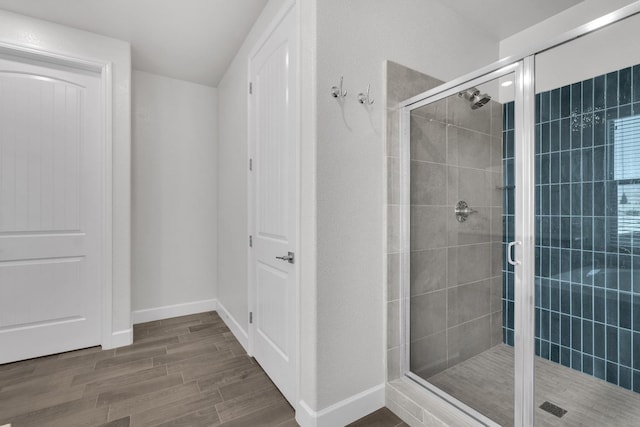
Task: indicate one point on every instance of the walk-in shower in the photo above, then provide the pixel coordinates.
(479, 164)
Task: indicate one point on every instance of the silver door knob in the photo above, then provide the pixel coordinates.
(289, 257)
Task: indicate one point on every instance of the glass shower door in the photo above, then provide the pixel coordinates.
(588, 230)
(459, 163)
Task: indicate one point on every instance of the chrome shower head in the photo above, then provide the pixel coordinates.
(474, 96)
(480, 101)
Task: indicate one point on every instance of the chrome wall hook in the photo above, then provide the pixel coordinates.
(337, 92)
(365, 99)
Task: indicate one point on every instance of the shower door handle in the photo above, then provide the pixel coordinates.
(510, 252)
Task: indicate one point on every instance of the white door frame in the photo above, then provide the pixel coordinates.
(288, 6)
(104, 69)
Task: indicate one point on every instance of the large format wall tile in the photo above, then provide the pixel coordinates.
(428, 271)
(468, 302)
(468, 148)
(428, 140)
(428, 314)
(469, 263)
(428, 181)
(456, 154)
(393, 181)
(476, 229)
(428, 227)
(460, 114)
(404, 83)
(393, 328)
(455, 157)
(429, 355)
(469, 339)
(436, 111)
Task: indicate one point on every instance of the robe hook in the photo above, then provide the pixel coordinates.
(365, 99)
(337, 92)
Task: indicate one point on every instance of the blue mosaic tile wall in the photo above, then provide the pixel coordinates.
(587, 249)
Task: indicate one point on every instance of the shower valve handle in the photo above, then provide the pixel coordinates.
(462, 211)
(465, 211)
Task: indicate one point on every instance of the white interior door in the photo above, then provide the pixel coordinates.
(274, 206)
(51, 164)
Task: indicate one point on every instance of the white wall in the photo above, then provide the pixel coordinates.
(42, 35)
(353, 40)
(575, 61)
(342, 324)
(174, 206)
(233, 239)
(556, 25)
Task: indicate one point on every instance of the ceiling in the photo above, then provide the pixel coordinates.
(195, 40)
(192, 40)
(503, 18)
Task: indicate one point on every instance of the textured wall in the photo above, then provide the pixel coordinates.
(425, 35)
(174, 192)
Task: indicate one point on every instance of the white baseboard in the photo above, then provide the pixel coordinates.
(119, 339)
(233, 325)
(169, 311)
(343, 412)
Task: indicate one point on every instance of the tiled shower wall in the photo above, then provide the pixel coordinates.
(402, 83)
(587, 273)
(456, 283)
(456, 286)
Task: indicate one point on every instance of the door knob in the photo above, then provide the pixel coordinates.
(289, 257)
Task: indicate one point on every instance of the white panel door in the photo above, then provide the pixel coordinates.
(51, 164)
(274, 207)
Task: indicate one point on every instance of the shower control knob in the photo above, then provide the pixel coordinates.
(463, 211)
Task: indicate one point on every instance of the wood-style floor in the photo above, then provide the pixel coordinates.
(485, 382)
(185, 371)
(380, 418)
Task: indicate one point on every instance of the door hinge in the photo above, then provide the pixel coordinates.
(250, 241)
(250, 164)
(250, 88)
(251, 317)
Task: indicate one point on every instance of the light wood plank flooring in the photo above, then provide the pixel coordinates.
(186, 371)
(485, 382)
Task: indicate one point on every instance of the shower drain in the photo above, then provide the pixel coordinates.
(553, 409)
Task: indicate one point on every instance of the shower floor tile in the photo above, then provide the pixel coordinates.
(485, 382)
